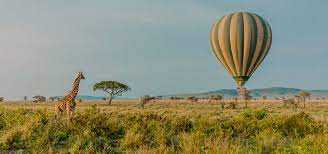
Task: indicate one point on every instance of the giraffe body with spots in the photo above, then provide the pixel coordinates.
(68, 102)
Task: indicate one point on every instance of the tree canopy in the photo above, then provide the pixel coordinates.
(112, 88)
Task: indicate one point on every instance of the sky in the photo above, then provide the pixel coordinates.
(156, 47)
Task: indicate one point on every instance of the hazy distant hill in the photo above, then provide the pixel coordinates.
(94, 98)
(269, 92)
(86, 97)
(273, 92)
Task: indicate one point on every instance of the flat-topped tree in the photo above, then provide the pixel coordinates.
(216, 97)
(304, 95)
(51, 99)
(39, 98)
(112, 88)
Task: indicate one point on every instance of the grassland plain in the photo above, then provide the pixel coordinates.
(165, 127)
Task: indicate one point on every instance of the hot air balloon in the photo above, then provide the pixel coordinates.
(241, 41)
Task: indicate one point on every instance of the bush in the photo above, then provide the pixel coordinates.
(92, 131)
(299, 125)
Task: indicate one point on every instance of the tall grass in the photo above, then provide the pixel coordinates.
(161, 131)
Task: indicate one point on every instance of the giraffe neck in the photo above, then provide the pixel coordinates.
(75, 89)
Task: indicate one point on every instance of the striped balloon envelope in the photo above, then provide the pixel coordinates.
(241, 41)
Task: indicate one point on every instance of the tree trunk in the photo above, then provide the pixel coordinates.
(222, 104)
(110, 100)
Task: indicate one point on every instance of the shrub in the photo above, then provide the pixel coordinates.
(268, 140)
(93, 131)
(299, 125)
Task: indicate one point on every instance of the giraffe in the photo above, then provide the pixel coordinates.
(68, 102)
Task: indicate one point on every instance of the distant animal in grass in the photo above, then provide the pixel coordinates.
(192, 99)
(144, 100)
(67, 103)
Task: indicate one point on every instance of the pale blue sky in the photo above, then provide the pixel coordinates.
(156, 47)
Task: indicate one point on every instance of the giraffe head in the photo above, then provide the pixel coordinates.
(80, 75)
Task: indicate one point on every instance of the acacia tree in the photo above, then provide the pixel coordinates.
(247, 97)
(304, 95)
(218, 97)
(51, 99)
(39, 98)
(112, 88)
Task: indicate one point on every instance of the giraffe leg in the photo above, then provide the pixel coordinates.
(72, 108)
(67, 110)
(60, 109)
(71, 114)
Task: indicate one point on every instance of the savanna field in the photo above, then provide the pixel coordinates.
(165, 127)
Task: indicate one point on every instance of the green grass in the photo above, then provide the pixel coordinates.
(164, 127)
